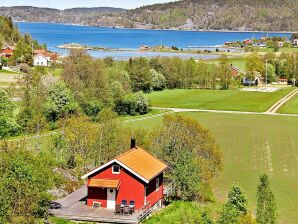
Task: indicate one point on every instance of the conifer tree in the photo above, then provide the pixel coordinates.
(237, 198)
(266, 206)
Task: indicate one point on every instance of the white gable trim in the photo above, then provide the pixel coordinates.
(111, 162)
(42, 56)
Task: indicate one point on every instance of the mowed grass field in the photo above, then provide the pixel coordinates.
(234, 100)
(238, 62)
(291, 107)
(252, 145)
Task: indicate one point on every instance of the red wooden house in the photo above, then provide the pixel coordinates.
(234, 71)
(135, 177)
(7, 52)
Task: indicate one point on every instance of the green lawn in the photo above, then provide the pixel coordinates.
(252, 145)
(177, 212)
(235, 100)
(238, 62)
(291, 107)
(282, 49)
(7, 72)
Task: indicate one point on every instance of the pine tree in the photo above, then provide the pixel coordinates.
(237, 198)
(266, 207)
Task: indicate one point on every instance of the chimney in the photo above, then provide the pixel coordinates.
(132, 143)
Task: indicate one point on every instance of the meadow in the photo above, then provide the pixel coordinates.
(252, 145)
(290, 107)
(234, 100)
(238, 62)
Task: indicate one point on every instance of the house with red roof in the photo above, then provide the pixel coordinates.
(247, 42)
(235, 72)
(7, 51)
(44, 58)
(134, 178)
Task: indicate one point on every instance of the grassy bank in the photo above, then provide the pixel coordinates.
(235, 100)
(177, 212)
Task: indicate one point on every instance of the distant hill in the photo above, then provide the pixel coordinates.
(74, 15)
(238, 15)
(243, 15)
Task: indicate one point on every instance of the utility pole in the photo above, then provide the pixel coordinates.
(32, 49)
(266, 72)
(295, 70)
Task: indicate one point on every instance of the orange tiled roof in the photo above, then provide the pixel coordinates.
(51, 55)
(104, 183)
(143, 163)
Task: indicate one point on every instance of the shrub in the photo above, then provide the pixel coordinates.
(92, 108)
(158, 81)
(59, 102)
(132, 104)
(142, 103)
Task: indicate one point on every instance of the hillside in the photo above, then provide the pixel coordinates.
(74, 15)
(242, 15)
(221, 14)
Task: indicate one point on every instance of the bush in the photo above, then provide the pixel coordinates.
(132, 104)
(158, 81)
(92, 108)
(60, 102)
(142, 103)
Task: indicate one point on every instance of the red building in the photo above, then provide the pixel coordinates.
(7, 52)
(234, 71)
(247, 42)
(135, 177)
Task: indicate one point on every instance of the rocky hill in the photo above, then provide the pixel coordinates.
(74, 15)
(220, 14)
(240, 15)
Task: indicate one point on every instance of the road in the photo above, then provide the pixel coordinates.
(281, 102)
(180, 110)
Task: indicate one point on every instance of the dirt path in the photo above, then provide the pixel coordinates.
(281, 102)
(180, 110)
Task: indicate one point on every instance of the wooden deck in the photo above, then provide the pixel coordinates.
(73, 207)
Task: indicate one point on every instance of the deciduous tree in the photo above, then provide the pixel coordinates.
(191, 152)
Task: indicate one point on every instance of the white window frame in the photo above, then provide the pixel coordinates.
(157, 184)
(113, 172)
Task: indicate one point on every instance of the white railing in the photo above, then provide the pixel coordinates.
(145, 211)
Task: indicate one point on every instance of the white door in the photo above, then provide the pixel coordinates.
(111, 198)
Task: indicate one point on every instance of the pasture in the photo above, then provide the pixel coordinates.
(238, 62)
(291, 107)
(252, 145)
(234, 100)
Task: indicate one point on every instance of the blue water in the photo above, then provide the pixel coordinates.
(58, 34)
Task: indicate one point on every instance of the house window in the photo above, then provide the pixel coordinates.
(157, 184)
(115, 169)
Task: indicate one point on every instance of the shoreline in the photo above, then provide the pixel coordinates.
(200, 30)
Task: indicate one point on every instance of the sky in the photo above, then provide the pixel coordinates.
(62, 4)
